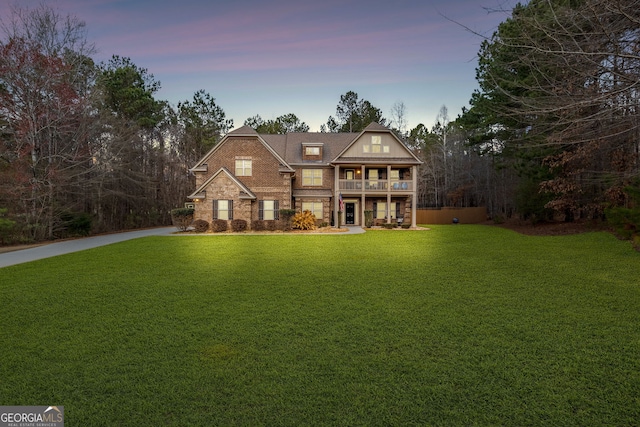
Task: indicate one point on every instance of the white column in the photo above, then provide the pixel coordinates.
(414, 193)
(336, 194)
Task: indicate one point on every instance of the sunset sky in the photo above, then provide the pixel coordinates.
(295, 56)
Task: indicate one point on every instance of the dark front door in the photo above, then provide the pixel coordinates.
(349, 213)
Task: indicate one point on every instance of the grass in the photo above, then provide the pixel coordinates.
(460, 325)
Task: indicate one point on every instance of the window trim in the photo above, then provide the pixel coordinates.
(242, 170)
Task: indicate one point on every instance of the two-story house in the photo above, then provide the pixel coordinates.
(252, 176)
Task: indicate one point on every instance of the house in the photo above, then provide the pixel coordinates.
(252, 176)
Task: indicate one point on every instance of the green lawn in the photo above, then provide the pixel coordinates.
(459, 325)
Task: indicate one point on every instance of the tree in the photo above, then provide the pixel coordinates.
(559, 80)
(353, 114)
(399, 119)
(203, 124)
(281, 125)
(45, 75)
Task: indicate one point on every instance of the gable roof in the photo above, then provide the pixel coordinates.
(246, 131)
(287, 148)
(243, 188)
(378, 128)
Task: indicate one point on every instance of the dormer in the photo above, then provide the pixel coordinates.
(312, 151)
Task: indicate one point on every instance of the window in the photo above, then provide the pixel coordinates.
(268, 209)
(376, 143)
(312, 177)
(312, 151)
(243, 167)
(314, 207)
(380, 210)
(223, 209)
(349, 174)
(395, 175)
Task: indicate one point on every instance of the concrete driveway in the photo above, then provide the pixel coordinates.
(68, 246)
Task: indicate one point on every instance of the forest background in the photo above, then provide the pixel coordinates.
(551, 134)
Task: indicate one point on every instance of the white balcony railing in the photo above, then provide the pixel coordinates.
(375, 185)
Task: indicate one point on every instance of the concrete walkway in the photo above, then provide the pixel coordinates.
(75, 245)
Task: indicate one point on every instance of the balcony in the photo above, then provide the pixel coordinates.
(377, 185)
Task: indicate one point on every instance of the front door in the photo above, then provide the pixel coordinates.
(349, 213)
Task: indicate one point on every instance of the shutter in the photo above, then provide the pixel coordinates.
(215, 209)
(261, 210)
(276, 209)
(375, 210)
(230, 209)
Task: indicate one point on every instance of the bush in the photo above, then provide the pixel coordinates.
(76, 223)
(238, 225)
(626, 220)
(200, 226)
(257, 225)
(182, 218)
(406, 225)
(304, 221)
(6, 226)
(368, 218)
(286, 215)
(219, 225)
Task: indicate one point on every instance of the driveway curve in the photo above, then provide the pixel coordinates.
(75, 245)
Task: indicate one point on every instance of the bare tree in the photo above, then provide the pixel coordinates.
(399, 118)
(45, 76)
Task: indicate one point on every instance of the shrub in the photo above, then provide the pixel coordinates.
(406, 225)
(219, 225)
(182, 218)
(76, 223)
(257, 225)
(324, 224)
(286, 215)
(626, 220)
(200, 225)
(368, 218)
(238, 225)
(304, 221)
(6, 226)
(272, 225)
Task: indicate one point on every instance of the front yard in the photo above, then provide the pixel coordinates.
(458, 325)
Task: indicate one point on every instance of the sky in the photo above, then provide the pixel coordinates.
(271, 58)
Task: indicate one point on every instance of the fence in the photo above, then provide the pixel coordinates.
(446, 215)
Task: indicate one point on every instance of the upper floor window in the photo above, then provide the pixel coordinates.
(243, 167)
(312, 151)
(376, 144)
(312, 177)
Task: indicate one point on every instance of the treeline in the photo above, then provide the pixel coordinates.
(552, 133)
(87, 147)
